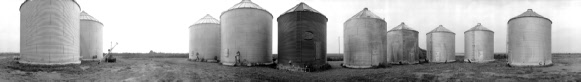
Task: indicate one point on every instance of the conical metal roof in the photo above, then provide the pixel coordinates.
(302, 7)
(479, 27)
(365, 13)
(246, 4)
(75, 1)
(85, 16)
(529, 13)
(441, 29)
(207, 19)
(402, 26)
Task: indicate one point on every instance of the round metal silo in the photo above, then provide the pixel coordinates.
(91, 38)
(365, 41)
(479, 45)
(441, 45)
(205, 40)
(529, 40)
(402, 45)
(246, 31)
(49, 32)
(302, 39)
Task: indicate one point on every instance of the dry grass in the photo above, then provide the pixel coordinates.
(175, 67)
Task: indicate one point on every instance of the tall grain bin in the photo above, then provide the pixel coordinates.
(91, 38)
(205, 40)
(365, 40)
(302, 39)
(402, 45)
(441, 45)
(49, 32)
(246, 31)
(479, 45)
(529, 40)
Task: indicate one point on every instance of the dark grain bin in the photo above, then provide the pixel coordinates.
(479, 45)
(365, 40)
(205, 40)
(402, 45)
(529, 40)
(302, 39)
(91, 38)
(49, 32)
(246, 31)
(441, 47)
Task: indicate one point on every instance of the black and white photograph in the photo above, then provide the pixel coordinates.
(290, 40)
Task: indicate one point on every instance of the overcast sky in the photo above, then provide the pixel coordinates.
(162, 25)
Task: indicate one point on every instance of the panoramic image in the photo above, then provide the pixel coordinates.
(290, 41)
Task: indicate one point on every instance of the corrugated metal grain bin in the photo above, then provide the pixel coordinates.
(441, 47)
(529, 40)
(479, 45)
(49, 32)
(205, 40)
(365, 41)
(91, 38)
(302, 38)
(246, 31)
(402, 45)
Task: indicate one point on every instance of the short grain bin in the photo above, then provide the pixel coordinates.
(441, 45)
(365, 41)
(402, 45)
(529, 40)
(246, 31)
(91, 38)
(479, 45)
(205, 40)
(49, 32)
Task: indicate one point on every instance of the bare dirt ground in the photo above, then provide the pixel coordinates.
(175, 68)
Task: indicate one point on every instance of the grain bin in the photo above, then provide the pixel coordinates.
(49, 32)
(402, 45)
(246, 31)
(365, 41)
(479, 45)
(302, 39)
(441, 45)
(91, 38)
(529, 40)
(205, 40)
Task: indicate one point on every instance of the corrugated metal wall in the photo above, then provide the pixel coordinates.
(246, 37)
(402, 46)
(49, 32)
(365, 42)
(302, 40)
(91, 40)
(205, 42)
(529, 41)
(441, 47)
(479, 46)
